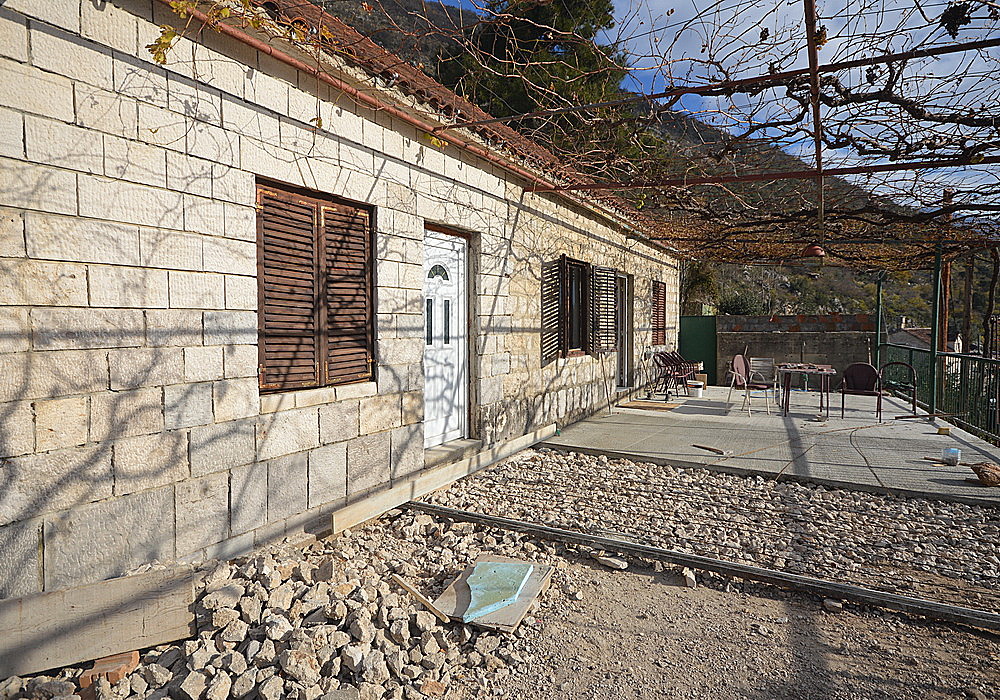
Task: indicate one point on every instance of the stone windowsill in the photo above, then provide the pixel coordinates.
(270, 403)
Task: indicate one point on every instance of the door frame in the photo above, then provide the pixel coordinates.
(624, 326)
(471, 376)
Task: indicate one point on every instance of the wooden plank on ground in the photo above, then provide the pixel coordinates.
(48, 630)
(419, 597)
(454, 600)
(649, 405)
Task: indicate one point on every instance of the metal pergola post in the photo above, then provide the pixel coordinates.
(935, 330)
(877, 354)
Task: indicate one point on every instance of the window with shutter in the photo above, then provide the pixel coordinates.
(315, 290)
(575, 297)
(659, 313)
(578, 309)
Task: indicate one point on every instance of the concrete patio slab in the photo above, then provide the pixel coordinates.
(851, 452)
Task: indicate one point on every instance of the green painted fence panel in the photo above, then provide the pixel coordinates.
(698, 344)
(968, 390)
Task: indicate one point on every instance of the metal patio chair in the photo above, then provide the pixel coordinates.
(911, 387)
(765, 366)
(674, 373)
(747, 380)
(862, 379)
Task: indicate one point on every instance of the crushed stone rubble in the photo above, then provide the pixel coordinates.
(324, 622)
(912, 545)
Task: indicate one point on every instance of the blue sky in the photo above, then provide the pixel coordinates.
(464, 4)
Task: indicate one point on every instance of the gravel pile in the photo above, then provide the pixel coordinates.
(943, 550)
(325, 622)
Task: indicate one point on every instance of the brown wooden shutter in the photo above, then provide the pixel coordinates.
(315, 291)
(659, 313)
(552, 323)
(348, 320)
(603, 310)
(288, 283)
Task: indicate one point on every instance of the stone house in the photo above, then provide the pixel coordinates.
(246, 290)
(912, 337)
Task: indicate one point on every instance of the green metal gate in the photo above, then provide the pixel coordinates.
(697, 342)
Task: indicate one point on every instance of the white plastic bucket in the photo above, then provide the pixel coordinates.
(697, 389)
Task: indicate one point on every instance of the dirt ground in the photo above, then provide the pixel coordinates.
(603, 634)
(594, 634)
(640, 634)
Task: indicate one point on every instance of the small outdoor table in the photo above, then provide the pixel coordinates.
(824, 372)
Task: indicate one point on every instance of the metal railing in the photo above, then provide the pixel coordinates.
(897, 379)
(968, 386)
(970, 390)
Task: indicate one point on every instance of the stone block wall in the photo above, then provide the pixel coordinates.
(837, 348)
(131, 427)
(799, 323)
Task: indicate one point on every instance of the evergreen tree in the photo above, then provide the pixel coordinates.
(526, 56)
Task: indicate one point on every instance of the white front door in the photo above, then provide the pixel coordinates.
(446, 375)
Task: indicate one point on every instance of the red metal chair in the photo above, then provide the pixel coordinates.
(675, 372)
(862, 379)
(682, 370)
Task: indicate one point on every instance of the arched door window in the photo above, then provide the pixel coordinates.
(438, 271)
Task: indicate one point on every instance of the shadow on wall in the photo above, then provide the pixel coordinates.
(513, 390)
(128, 412)
(131, 434)
(104, 480)
(96, 482)
(570, 390)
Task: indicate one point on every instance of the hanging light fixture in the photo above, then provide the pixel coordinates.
(813, 254)
(813, 250)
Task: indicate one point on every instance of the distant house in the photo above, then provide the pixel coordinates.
(921, 338)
